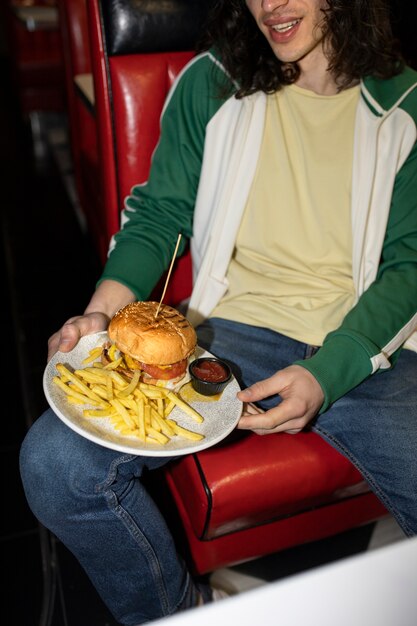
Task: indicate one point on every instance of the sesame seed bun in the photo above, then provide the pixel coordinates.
(162, 340)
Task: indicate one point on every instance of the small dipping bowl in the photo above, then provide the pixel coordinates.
(209, 376)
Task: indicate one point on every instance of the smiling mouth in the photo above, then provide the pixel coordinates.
(283, 28)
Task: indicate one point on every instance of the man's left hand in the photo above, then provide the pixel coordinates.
(301, 395)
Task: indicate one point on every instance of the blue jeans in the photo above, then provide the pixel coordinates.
(95, 501)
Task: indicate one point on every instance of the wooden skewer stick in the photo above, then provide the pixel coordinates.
(169, 274)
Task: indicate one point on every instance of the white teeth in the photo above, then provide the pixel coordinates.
(282, 28)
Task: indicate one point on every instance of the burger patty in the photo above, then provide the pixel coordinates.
(150, 371)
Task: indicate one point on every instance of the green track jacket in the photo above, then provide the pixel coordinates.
(203, 168)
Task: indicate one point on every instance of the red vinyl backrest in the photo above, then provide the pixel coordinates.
(139, 87)
(130, 91)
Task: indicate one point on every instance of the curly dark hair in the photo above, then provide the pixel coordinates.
(357, 33)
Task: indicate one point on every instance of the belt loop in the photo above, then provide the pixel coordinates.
(311, 351)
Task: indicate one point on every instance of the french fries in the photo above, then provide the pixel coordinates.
(134, 408)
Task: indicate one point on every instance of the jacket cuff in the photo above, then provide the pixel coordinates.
(339, 365)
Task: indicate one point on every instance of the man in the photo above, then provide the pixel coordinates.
(288, 155)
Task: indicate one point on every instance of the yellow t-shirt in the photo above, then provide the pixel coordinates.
(292, 265)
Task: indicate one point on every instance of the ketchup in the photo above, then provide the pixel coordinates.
(210, 371)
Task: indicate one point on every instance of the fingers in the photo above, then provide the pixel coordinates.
(64, 339)
(67, 337)
(251, 409)
(260, 390)
(282, 418)
(301, 398)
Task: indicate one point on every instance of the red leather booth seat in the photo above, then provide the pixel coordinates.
(136, 118)
(130, 90)
(253, 495)
(249, 495)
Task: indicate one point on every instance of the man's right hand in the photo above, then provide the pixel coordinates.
(106, 300)
(67, 337)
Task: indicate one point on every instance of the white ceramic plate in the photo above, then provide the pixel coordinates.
(220, 416)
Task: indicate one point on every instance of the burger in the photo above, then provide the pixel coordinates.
(159, 343)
